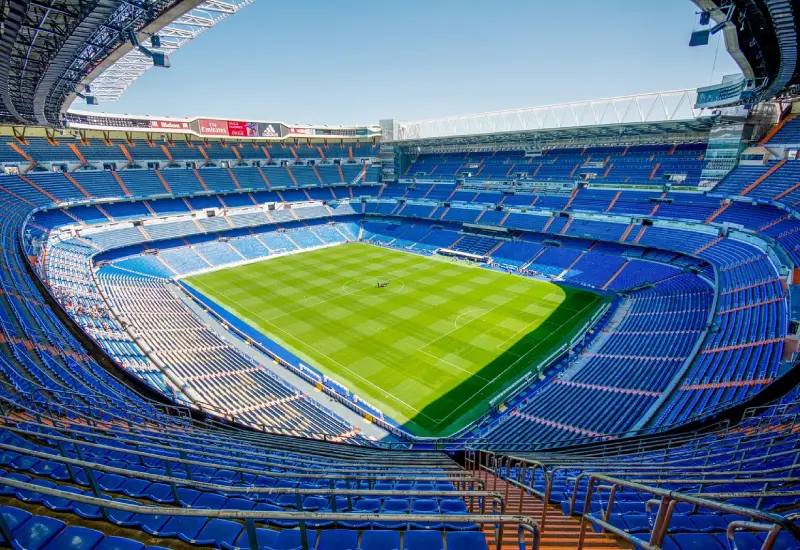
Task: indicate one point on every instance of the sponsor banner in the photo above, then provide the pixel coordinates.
(169, 125)
(213, 127)
(302, 131)
(270, 130)
(238, 128)
(332, 131)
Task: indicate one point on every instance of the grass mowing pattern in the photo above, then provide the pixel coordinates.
(430, 350)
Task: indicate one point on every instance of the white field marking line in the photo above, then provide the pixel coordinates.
(539, 320)
(293, 254)
(513, 364)
(453, 365)
(449, 332)
(342, 295)
(334, 361)
(525, 328)
(270, 256)
(455, 322)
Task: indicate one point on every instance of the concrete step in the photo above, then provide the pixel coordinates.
(560, 531)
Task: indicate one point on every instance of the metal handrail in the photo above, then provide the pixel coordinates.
(35, 407)
(550, 465)
(525, 524)
(252, 442)
(668, 501)
(43, 393)
(169, 460)
(655, 469)
(250, 490)
(651, 446)
(333, 469)
(347, 450)
(421, 460)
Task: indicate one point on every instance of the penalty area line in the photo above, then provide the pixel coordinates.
(292, 337)
(513, 364)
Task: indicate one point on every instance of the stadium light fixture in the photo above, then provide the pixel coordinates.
(718, 27)
(160, 59)
(701, 37)
(90, 99)
(86, 95)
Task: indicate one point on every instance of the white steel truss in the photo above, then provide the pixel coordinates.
(645, 108)
(110, 85)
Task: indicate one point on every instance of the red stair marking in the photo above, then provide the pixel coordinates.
(233, 177)
(774, 130)
(167, 153)
(200, 179)
(121, 183)
(74, 182)
(39, 189)
(613, 201)
(289, 171)
(615, 275)
(163, 181)
(316, 173)
(742, 346)
(763, 176)
(706, 247)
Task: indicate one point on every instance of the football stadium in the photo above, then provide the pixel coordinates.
(567, 326)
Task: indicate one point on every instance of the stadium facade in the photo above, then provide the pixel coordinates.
(570, 325)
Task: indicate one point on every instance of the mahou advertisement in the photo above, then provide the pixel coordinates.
(169, 125)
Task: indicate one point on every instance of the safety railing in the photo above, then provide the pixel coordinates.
(700, 483)
(766, 418)
(521, 471)
(467, 482)
(41, 402)
(667, 501)
(525, 525)
(271, 457)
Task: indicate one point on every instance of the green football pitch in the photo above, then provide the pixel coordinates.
(430, 349)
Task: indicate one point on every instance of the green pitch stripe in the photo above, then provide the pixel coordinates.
(430, 349)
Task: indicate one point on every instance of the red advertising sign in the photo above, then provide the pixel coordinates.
(303, 131)
(169, 125)
(237, 128)
(213, 127)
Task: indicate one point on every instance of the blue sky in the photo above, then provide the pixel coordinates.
(357, 61)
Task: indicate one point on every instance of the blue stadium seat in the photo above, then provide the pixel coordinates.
(75, 538)
(380, 540)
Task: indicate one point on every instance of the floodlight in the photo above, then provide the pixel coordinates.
(699, 38)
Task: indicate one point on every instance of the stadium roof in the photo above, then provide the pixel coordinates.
(656, 114)
(112, 78)
(761, 36)
(50, 49)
